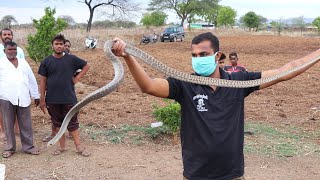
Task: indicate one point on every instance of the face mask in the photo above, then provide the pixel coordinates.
(204, 66)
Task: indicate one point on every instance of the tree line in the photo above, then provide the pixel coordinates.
(70, 23)
(212, 12)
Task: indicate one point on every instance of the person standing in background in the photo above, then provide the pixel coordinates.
(234, 67)
(18, 85)
(6, 35)
(57, 92)
(221, 61)
(67, 46)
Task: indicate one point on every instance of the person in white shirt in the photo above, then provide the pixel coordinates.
(7, 35)
(17, 84)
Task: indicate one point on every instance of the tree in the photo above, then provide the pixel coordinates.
(122, 6)
(68, 19)
(185, 9)
(226, 16)
(8, 20)
(316, 23)
(278, 25)
(252, 20)
(113, 24)
(299, 23)
(263, 21)
(39, 44)
(210, 14)
(191, 18)
(156, 18)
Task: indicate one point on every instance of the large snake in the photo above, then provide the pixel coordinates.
(119, 75)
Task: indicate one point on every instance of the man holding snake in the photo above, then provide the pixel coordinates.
(212, 118)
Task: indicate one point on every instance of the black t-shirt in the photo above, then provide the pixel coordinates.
(212, 127)
(59, 73)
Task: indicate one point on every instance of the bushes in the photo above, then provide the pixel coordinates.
(169, 115)
(114, 24)
(39, 45)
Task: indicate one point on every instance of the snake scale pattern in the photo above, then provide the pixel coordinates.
(153, 62)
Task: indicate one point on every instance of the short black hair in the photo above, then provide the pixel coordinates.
(9, 43)
(59, 37)
(66, 40)
(6, 29)
(222, 57)
(208, 36)
(233, 54)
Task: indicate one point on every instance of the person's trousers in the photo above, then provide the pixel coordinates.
(9, 112)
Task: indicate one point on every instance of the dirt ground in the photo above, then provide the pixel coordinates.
(287, 103)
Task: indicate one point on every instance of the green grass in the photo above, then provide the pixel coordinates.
(286, 141)
(126, 134)
(267, 140)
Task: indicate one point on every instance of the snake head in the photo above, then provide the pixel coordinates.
(52, 142)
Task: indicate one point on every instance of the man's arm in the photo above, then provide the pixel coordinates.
(81, 74)
(289, 66)
(156, 87)
(43, 84)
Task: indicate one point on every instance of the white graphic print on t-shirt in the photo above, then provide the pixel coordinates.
(199, 98)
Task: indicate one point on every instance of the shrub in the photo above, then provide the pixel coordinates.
(39, 44)
(316, 23)
(169, 115)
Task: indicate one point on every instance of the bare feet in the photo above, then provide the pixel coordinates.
(58, 152)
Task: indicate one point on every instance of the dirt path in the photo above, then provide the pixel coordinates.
(144, 162)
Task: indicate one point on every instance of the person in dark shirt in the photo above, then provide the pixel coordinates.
(57, 92)
(221, 61)
(212, 118)
(67, 46)
(235, 66)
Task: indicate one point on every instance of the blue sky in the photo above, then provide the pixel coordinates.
(25, 10)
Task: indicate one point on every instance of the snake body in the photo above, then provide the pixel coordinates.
(153, 62)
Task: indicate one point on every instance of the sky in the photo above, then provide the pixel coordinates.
(26, 10)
